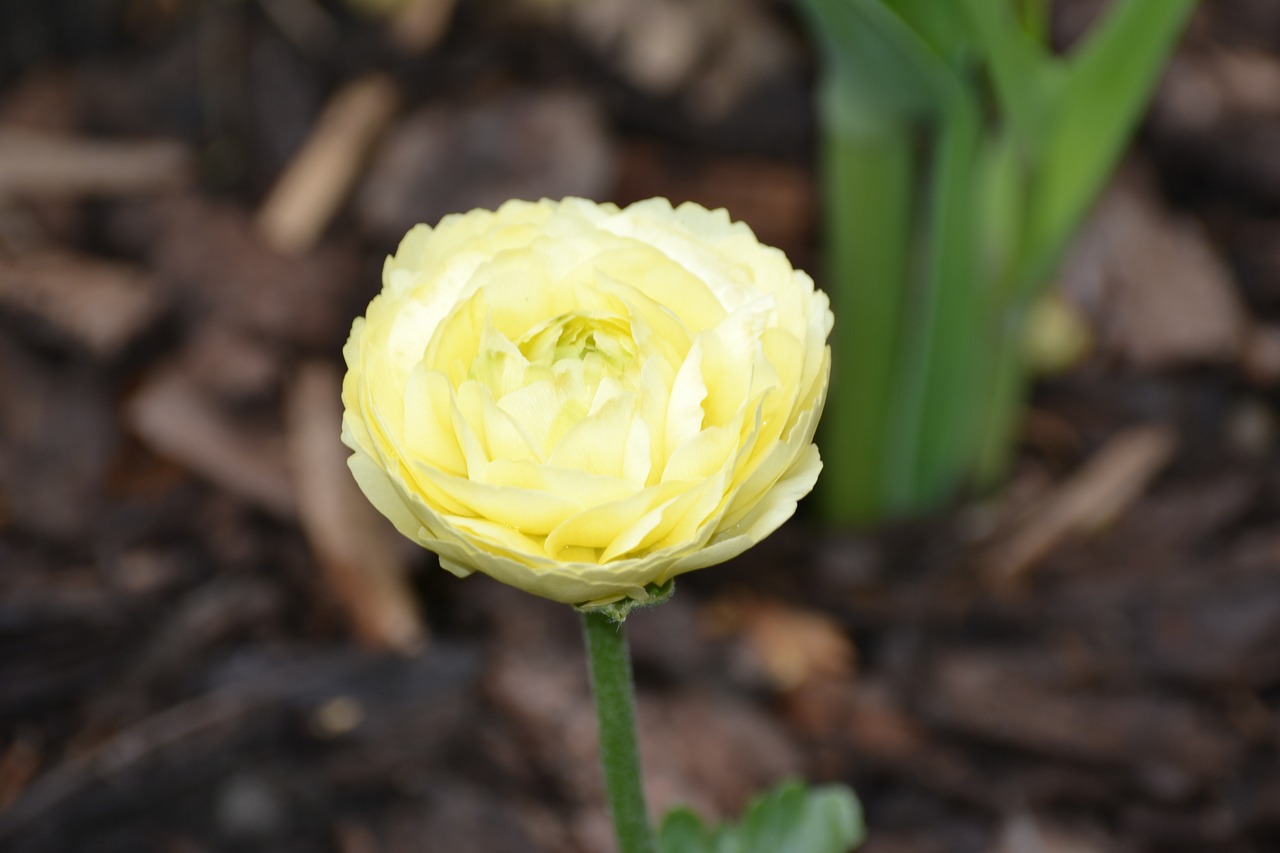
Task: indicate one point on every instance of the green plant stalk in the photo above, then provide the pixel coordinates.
(1106, 82)
(946, 218)
(928, 379)
(915, 319)
(955, 333)
(1000, 404)
(874, 249)
(610, 666)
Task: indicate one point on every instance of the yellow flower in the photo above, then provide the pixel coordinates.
(580, 400)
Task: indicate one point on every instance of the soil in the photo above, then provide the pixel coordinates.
(207, 645)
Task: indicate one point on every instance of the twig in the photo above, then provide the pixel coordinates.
(42, 163)
(354, 545)
(316, 183)
(1097, 494)
(171, 416)
(420, 24)
(101, 306)
(205, 717)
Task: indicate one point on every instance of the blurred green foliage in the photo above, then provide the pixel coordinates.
(789, 819)
(961, 154)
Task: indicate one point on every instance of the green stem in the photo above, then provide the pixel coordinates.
(610, 665)
(869, 245)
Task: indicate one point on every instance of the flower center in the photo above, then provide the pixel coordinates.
(582, 338)
(559, 372)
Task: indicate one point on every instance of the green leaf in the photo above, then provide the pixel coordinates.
(789, 819)
(951, 319)
(1027, 79)
(869, 194)
(881, 73)
(1108, 81)
(940, 25)
(1002, 189)
(1033, 15)
(961, 154)
(682, 832)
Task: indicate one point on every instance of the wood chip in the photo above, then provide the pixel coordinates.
(1022, 700)
(19, 763)
(776, 199)
(867, 714)
(692, 747)
(789, 645)
(1260, 357)
(355, 546)
(708, 56)
(1021, 832)
(440, 159)
(210, 254)
(1200, 89)
(1155, 291)
(97, 305)
(353, 837)
(177, 422)
(234, 367)
(44, 99)
(420, 24)
(1097, 494)
(206, 720)
(53, 164)
(58, 438)
(316, 183)
(306, 23)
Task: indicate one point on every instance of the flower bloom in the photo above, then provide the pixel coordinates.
(580, 400)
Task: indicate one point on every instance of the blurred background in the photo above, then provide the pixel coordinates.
(208, 642)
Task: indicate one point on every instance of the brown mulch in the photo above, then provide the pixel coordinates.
(207, 644)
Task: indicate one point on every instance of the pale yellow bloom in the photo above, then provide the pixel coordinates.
(581, 400)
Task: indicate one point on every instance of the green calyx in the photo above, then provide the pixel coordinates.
(618, 611)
